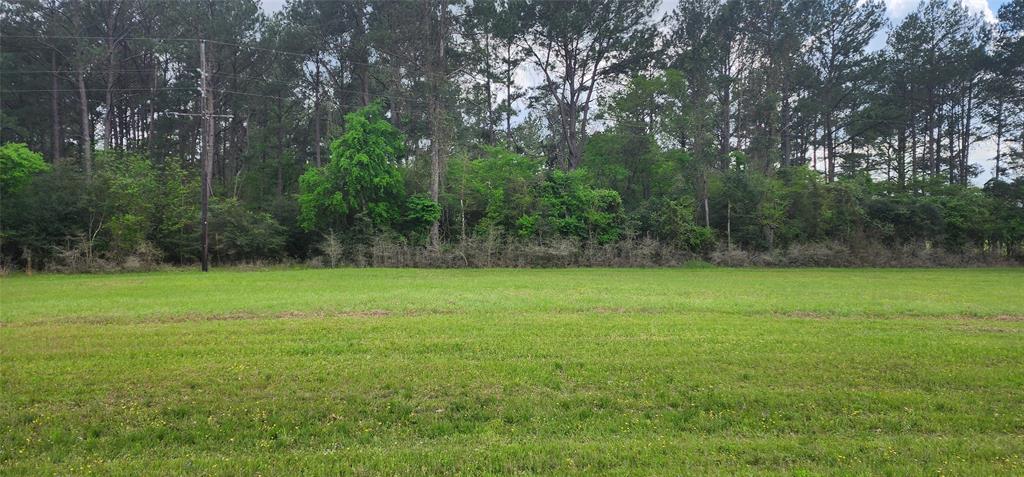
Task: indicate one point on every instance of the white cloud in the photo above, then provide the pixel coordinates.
(981, 6)
(901, 8)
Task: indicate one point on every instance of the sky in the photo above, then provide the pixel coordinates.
(897, 8)
(981, 152)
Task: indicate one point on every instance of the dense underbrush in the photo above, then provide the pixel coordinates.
(487, 252)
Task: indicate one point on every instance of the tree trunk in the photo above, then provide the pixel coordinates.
(901, 159)
(108, 116)
(316, 114)
(362, 54)
(279, 147)
(814, 149)
(707, 211)
(571, 136)
(999, 137)
(950, 137)
(965, 147)
(934, 146)
(435, 166)
(151, 116)
(830, 150)
(724, 127)
(508, 93)
(83, 104)
(54, 111)
(784, 135)
(487, 80)
(728, 225)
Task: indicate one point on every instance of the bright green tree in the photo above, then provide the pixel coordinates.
(17, 166)
(361, 190)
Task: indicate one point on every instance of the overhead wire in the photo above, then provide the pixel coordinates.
(308, 56)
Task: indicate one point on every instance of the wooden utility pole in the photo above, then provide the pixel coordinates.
(207, 153)
(438, 71)
(206, 159)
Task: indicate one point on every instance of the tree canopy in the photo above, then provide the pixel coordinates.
(718, 125)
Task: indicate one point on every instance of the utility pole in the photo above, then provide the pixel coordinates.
(207, 153)
(438, 70)
(206, 159)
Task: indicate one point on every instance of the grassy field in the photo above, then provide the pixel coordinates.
(702, 371)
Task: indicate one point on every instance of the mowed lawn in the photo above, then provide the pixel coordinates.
(477, 372)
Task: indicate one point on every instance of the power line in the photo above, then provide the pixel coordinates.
(87, 37)
(74, 90)
(286, 82)
(132, 70)
(219, 42)
(146, 89)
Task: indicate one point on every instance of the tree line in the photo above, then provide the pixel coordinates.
(718, 125)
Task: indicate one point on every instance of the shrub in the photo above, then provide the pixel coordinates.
(671, 221)
(237, 233)
(570, 208)
(418, 213)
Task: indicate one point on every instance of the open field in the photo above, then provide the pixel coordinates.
(681, 371)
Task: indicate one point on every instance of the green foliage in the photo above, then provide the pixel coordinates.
(175, 212)
(716, 111)
(17, 166)
(843, 214)
(50, 211)
(137, 202)
(748, 206)
(633, 165)
(967, 215)
(418, 213)
(569, 207)
(361, 189)
(904, 218)
(125, 186)
(128, 205)
(1008, 213)
(495, 190)
(526, 226)
(237, 233)
(629, 157)
(806, 197)
(672, 221)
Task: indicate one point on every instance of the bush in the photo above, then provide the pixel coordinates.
(45, 215)
(571, 208)
(671, 221)
(496, 190)
(828, 254)
(333, 250)
(237, 233)
(418, 213)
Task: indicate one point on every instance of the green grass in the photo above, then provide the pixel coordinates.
(665, 372)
